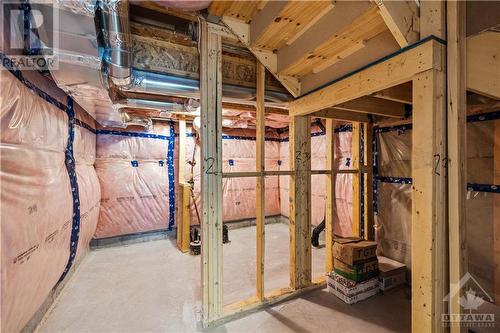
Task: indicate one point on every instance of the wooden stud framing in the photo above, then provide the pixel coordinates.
(457, 155)
(401, 93)
(330, 194)
(183, 217)
(356, 179)
(373, 105)
(483, 64)
(396, 70)
(184, 193)
(368, 182)
(429, 252)
(261, 181)
(211, 171)
(300, 202)
(496, 210)
(401, 18)
(334, 113)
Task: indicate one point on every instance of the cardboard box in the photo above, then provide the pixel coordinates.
(349, 292)
(389, 282)
(348, 287)
(356, 298)
(388, 267)
(359, 271)
(350, 250)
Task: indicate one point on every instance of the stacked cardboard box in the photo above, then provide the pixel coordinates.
(392, 273)
(355, 273)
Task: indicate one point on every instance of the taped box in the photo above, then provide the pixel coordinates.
(349, 291)
(359, 271)
(352, 249)
(391, 273)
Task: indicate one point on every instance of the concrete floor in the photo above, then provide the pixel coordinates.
(152, 287)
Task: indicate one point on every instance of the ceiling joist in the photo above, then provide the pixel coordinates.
(401, 93)
(363, 28)
(373, 105)
(282, 22)
(337, 114)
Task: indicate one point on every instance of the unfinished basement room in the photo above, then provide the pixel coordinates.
(250, 166)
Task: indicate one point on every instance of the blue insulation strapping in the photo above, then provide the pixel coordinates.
(82, 124)
(483, 188)
(394, 180)
(70, 166)
(375, 173)
(135, 134)
(171, 178)
(484, 117)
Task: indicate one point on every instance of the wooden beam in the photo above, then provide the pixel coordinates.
(368, 182)
(400, 93)
(432, 19)
(330, 194)
(283, 21)
(183, 217)
(338, 114)
(334, 21)
(457, 155)
(483, 64)
(184, 193)
(429, 224)
(401, 18)
(356, 179)
(300, 202)
(373, 105)
(261, 181)
(264, 18)
(363, 28)
(496, 210)
(211, 171)
(267, 58)
(396, 70)
(339, 56)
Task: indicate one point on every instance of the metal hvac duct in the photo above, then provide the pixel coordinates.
(117, 41)
(146, 104)
(115, 30)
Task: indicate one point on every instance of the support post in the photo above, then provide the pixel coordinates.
(211, 170)
(356, 179)
(300, 202)
(457, 155)
(496, 211)
(261, 180)
(183, 193)
(429, 225)
(368, 182)
(330, 193)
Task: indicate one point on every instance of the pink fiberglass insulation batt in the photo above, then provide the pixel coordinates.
(343, 182)
(36, 210)
(238, 155)
(134, 195)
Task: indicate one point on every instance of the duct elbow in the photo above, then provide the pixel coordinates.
(117, 40)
